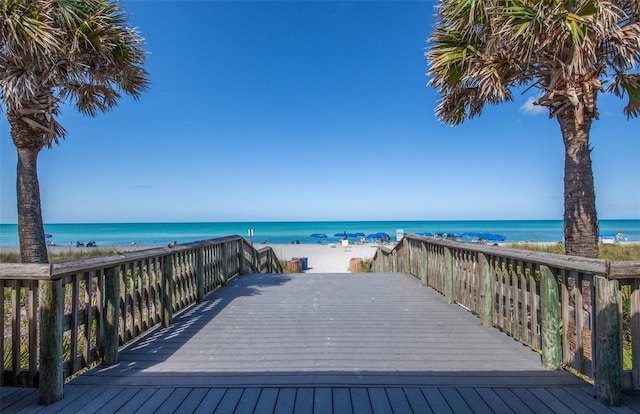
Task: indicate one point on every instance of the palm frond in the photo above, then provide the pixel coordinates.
(77, 50)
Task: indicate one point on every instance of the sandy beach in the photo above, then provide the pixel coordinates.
(321, 258)
(324, 258)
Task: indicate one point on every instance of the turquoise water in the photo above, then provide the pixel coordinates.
(287, 232)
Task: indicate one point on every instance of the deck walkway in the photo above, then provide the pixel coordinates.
(323, 343)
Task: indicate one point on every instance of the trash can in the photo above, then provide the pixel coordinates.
(294, 265)
(304, 263)
(355, 265)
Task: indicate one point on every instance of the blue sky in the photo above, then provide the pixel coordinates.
(300, 110)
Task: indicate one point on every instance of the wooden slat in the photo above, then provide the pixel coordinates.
(267, 402)
(210, 401)
(623, 270)
(75, 302)
(87, 293)
(2, 316)
(567, 357)
(32, 316)
(360, 400)
(579, 320)
(25, 271)
(15, 328)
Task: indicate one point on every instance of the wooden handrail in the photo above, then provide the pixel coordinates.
(86, 309)
(521, 301)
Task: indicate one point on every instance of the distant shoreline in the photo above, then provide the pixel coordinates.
(13, 248)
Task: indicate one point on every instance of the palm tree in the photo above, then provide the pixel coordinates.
(481, 50)
(51, 51)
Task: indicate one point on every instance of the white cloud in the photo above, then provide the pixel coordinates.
(530, 109)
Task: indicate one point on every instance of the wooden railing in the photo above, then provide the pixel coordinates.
(59, 319)
(570, 309)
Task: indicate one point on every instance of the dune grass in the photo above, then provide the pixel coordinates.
(611, 252)
(63, 256)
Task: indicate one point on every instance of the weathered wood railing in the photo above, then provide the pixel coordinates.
(59, 319)
(569, 308)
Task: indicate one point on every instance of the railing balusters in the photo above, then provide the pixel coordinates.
(32, 312)
(518, 303)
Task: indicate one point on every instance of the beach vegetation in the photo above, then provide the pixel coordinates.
(76, 52)
(62, 256)
(569, 51)
(610, 252)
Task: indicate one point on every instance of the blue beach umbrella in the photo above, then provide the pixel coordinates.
(319, 235)
(380, 235)
(358, 234)
(48, 236)
(426, 233)
(492, 237)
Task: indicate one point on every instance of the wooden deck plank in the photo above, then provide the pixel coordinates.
(416, 400)
(436, 400)
(379, 401)
(494, 401)
(569, 399)
(531, 401)
(210, 401)
(173, 401)
(109, 401)
(137, 401)
(248, 400)
(631, 404)
(192, 401)
(304, 401)
(229, 401)
(156, 400)
(513, 401)
(342, 400)
(455, 401)
(267, 401)
(15, 398)
(473, 399)
(360, 402)
(322, 400)
(286, 401)
(398, 400)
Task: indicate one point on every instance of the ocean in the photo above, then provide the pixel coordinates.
(287, 232)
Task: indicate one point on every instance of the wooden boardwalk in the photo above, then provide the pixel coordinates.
(323, 343)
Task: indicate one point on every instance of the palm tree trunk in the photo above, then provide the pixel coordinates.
(33, 248)
(580, 218)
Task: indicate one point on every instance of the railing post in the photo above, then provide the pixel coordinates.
(424, 264)
(167, 289)
(110, 334)
(240, 257)
(486, 292)
(392, 260)
(51, 298)
(408, 268)
(254, 260)
(550, 323)
(224, 264)
(200, 275)
(448, 276)
(608, 358)
(635, 333)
